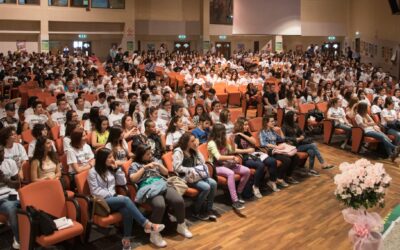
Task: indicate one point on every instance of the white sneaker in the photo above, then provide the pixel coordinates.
(157, 240)
(172, 218)
(273, 186)
(256, 192)
(183, 230)
(15, 244)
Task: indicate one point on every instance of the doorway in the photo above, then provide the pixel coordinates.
(182, 47)
(84, 47)
(223, 48)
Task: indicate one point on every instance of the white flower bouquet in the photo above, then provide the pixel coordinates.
(361, 184)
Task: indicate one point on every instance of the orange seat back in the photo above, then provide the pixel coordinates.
(81, 182)
(322, 106)
(55, 132)
(305, 107)
(59, 146)
(167, 160)
(235, 114)
(204, 151)
(46, 195)
(26, 136)
(255, 134)
(26, 170)
(255, 124)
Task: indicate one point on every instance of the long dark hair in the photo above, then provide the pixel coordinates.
(99, 121)
(100, 164)
(362, 109)
(37, 130)
(39, 153)
(115, 135)
(94, 114)
(140, 152)
(183, 142)
(172, 127)
(218, 135)
(68, 116)
(289, 119)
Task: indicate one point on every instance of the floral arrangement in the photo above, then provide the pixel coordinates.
(361, 184)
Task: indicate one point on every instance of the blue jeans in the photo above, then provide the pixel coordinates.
(10, 209)
(345, 128)
(389, 147)
(129, 211)
(207, 189)
(260, 167)
(396, 134)
(312, 151)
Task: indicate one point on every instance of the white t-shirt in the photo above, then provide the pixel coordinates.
(9, 168)
(338, 113)
(115, 119)
(17, 153)
(387, 113)
(229, 128)
(79, 156)
(155, 100)
(360, 121)
(102, 106)
(173, 138)
(59, 117)
(36, 119)
(66, 143)
(375, 109)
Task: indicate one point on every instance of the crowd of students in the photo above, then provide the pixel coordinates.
(138, 116)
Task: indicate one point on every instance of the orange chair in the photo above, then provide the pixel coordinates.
(37, 195)
(255, 124)
(234, 95)
(330, 130)
(168, 162)
(26, 171)
(59, 143)
(302, 116)
(26, 136)
(280, 113)
(220, 92)
(246, 106)
(358, 138)
(235, 114)
(323, 107)
(55, 132)
(85, 203)
(90, 97)
(49, 100)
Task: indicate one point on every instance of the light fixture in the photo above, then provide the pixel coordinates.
(222, 37)
(357, 33)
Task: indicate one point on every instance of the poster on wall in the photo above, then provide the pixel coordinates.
(45, 46)
(21, 45)
(240, 46)
(130, 46)
(278, 47)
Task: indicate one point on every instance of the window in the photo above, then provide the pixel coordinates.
(8, 1)
(58, 3)
(33, 2)
(79, 3)
(111, 4)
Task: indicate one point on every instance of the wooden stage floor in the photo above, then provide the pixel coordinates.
(303, 216)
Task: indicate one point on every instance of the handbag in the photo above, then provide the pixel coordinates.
(42, 222)
(288, 150)
(227, 163)
(177, 183)
(100, 206)
(197, 173)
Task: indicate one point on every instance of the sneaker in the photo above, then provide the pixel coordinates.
(395, 153)
(292, 180)
(256, 192)
(15, 244)
(201, 216)
(282, 183)
(183, 230)
(343, 146)
(240, 198)
(313, 172)
(126, 244)
(157, 240)
(237, 205)
(273, 186)
(212, 216)
(154, 228)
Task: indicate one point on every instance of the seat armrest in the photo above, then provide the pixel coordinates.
(26, 234)
(73, 209)
(122, 190)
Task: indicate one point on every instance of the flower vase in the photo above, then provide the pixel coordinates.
(366, 231)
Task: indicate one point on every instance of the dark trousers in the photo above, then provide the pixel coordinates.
(288, 165)
(261, 167)
(173, 200)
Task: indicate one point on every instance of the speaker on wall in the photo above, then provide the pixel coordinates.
(395, 6)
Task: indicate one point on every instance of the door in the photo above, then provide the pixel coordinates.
(357, 45)
(182, 47)
(256, 46)
(87, 48)
(223, 48)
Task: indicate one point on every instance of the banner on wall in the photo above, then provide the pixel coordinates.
(21, 45)
(130, 46)
(45, 46)
(278, 47)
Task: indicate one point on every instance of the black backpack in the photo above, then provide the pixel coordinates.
(42, 222)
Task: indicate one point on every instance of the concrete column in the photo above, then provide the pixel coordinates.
(205, 25)
(128, 38)
(44, 43)
(278, 44)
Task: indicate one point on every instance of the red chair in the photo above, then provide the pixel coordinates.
(168, 162)
(302, 116)
(234, 95)
(37, 195)
(280, 113)
(55, 132)
(246, 106)
(26, 136)
(255, 124)
(235, 114)
(330, 130)
(358, 138)
(221, 93)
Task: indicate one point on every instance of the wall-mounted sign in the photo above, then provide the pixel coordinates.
(222, 37)
(82, 36)
(182, 37)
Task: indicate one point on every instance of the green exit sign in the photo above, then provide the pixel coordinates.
(331, 38)
(182, 37)
(82, 36)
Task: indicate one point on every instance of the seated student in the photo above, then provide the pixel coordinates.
(179, 110)
(270, 99)
(203, 128)
(364, 121)
(297, 137)
(10, 119)
(144, 171)
(215, 112)
(45, 164)
(174, 132)
(80, 156)
(338, 115)
(71, 116)
(8, 179)
(198, 111)
(12, 149)
(186, 157)
(251, 94)
(244, 142)
(38, 131)
(100, 133)
(94, 114)
(102, 180)
(71, 126)
(211, 98)
(59, 116)
(117, 112)
(164, 112)
(152, 114)
(225, 119)
(39, 116)
(390, 119)
(31, 101)
(101, 102)
(289, 103)
(377, 105)
(80, 107)
(227, 164)
(270, 139)
(129, 128)
(117, 144)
